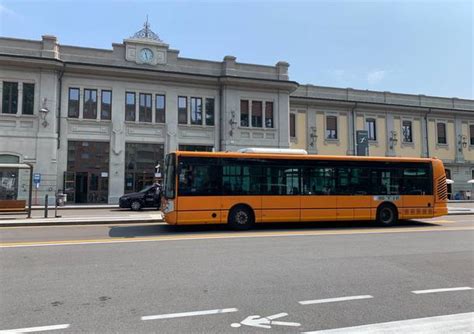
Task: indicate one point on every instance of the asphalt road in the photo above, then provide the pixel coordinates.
(165, 279)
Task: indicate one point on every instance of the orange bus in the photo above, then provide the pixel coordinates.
(266, 186)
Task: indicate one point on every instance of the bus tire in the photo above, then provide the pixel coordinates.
(387, 214)
(136, 206)
(241, 217)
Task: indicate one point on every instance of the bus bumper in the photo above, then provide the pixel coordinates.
(440, 210)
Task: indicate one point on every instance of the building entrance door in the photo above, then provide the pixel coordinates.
(81, 187)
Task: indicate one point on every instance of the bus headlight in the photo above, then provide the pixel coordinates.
(169, 206)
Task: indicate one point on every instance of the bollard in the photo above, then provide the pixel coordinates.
(46, 206)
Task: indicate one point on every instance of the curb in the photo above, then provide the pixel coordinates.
(86, 222)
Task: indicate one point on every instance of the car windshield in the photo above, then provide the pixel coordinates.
(146, 189)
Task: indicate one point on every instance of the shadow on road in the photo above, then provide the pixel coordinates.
(162, 230)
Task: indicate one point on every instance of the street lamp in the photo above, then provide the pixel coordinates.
(43, 112)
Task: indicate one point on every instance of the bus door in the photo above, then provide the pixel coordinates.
(281, 189)
(199, 191)
(318, 199)
(353, 189)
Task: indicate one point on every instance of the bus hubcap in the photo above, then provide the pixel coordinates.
(386, 215)
(241, 217)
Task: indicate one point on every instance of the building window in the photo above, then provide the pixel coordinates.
(257, 114)
(182, 110)
(73, 105)
(471, 130)
(130, 106)
(269, 114)
(292, 125)
(244, 113)
(90, 104)
(407, 132)
(370, 126)
(331, 127)
(160, 109)
(196, 110)
(10, 98)
(106, 104)
(145, 112)
(441, 128)
(28, 98)
(209, 111)
(140, 162)
(196, 148)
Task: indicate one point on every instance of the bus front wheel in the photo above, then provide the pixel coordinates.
(387, 215)
(241, 218)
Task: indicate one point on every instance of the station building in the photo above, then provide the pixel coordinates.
(95, 123)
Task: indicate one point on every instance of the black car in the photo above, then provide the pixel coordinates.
(148, 197)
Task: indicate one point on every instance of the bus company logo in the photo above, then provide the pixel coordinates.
(386, 198)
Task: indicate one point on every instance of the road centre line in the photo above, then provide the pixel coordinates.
(462, 288)
(453, 323)
(188, 314)
(34, 329)
(332, 300)
(230, 235)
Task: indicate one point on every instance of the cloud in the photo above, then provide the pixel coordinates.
(374, 77)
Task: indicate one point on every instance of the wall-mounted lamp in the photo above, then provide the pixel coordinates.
(313, 136)
(462, 142)
(43, 112)
(232, 123)
(393, 139)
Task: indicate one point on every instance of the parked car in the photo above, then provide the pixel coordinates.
(148, 197)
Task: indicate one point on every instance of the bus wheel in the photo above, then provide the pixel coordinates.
(387, 215)
(136, 206)
(241, 218)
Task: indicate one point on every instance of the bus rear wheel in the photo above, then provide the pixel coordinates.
(241, 218)
(387, 215)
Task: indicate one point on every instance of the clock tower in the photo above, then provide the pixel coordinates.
(146, 47)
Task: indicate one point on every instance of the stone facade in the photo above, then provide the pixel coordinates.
(61, 127)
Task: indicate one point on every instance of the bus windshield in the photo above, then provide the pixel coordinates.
(170, 176)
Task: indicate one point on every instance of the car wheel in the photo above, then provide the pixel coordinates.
(387, 215)
(136, 206)
(241, 218)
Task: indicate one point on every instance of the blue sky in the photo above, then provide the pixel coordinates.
(420, 47)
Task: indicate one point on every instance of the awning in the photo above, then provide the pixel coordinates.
(449, 181)
(21, 166)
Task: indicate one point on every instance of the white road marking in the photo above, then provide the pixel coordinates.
(442, 290)
(332, 300)
(446, 324)
(188, 314)
(34, 329)
(265, 322)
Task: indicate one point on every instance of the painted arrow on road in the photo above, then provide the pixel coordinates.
(265, 322)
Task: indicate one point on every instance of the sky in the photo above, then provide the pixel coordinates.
(417, 47)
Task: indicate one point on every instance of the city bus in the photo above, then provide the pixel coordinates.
(256, 186)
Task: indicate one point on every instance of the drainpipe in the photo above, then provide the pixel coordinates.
(221, 118)
(354, 127)
(60, 87)
(426, 133)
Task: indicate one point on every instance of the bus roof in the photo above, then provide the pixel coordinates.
(299, 157)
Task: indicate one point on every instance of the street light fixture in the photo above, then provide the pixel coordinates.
(43, 112)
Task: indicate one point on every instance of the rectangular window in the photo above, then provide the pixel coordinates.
(257, 114)
(292, 125)
(441, 127)
(182, 110)
(106, 104)
(73, 105)
(370, 126)
(10, 98)
(471, 131)
(407, 132)
(196, 110)
(28, 98)
(130, 106)
(209, 111)
(331, 127)
(319, 181)
(160, 109)
(244, 112)
(145, 113)
(269, 114)
(90, 104)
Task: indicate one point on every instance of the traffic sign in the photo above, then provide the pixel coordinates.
(37, 178)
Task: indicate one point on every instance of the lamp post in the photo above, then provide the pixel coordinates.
(43, 112)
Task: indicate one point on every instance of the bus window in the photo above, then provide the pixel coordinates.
(385, 181)
(198, 180)
(319, 181)
(280, 180)
(241, 180)
(417, 181)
